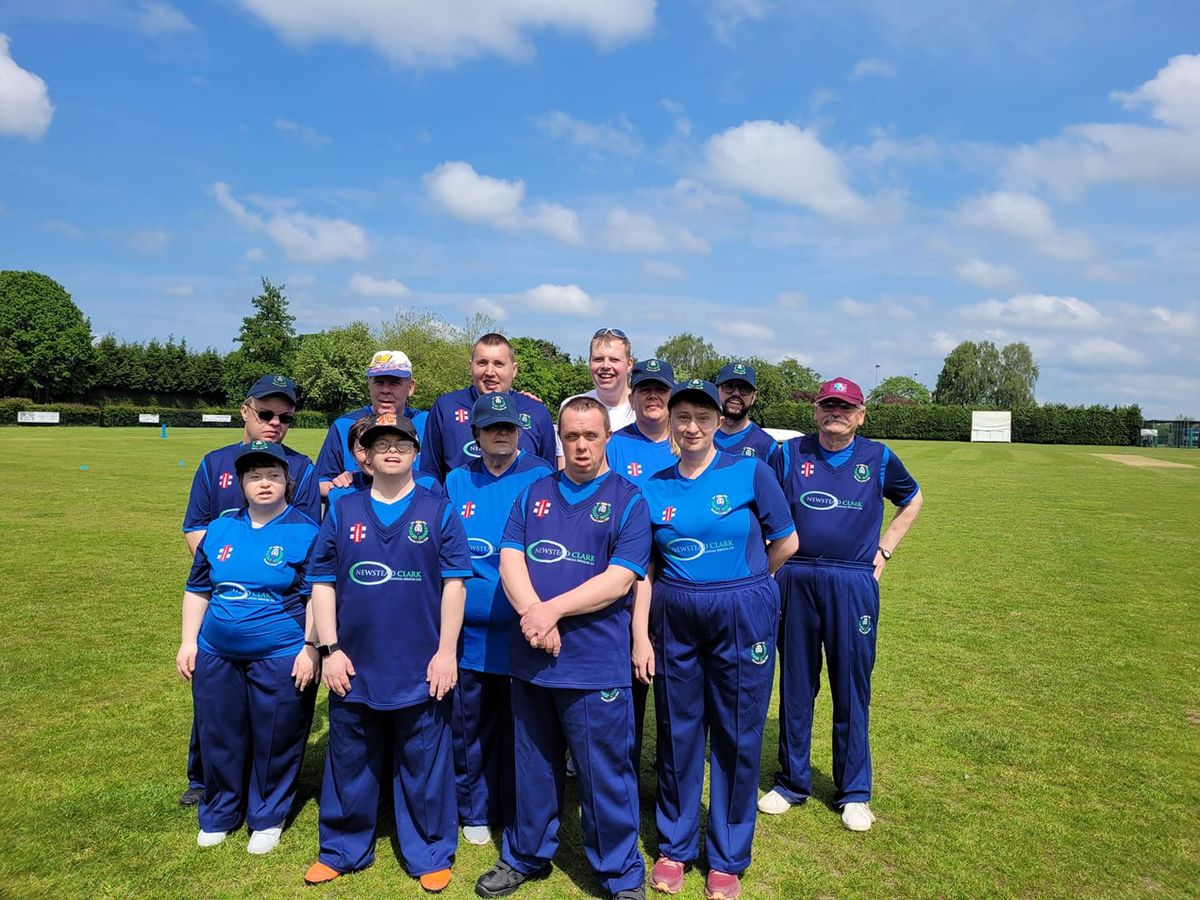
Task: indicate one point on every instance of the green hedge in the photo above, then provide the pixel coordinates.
(918, 423)
(1117, 426)
(124, 415)
(69, 413)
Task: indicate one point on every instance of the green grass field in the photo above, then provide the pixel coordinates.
(1036, 715)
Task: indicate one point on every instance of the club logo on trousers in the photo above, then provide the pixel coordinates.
(418, 531)
(864, 624)
(759, 653)
(610, 695)
(601, 512)
(862, 473)
(274, 556)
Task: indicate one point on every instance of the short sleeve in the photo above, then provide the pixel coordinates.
(781, 461)
(774, 514)
(514, 529)
(323, 561)
(331, 461)
(898, 486)
(454, 556)
(307, 496)
(199, 507)
(632, 549)
(200, 578)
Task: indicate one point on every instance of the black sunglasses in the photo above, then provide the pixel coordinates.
(266, 416)
(836, 404)
(615, 332)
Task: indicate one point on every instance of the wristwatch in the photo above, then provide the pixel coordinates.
(326, 649)
(885, 553)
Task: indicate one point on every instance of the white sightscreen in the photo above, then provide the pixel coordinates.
(991, 426)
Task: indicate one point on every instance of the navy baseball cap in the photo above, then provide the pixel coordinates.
(697, 391)
(273, 384)
(390, 423)
(738, 371)
(652, 370)
(494, 409)
(256, 453)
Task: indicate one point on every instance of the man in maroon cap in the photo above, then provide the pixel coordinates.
(836, 484)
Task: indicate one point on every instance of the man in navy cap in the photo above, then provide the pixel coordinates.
(267, 412)
(737, 386)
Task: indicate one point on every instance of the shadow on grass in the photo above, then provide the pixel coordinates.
(823, 789)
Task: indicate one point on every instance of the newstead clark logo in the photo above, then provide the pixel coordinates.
(418, 531)
(369, 572)
(759, 653)
(601, 512)
(547, 551)
(864, 624)
(480, 549)
(862, 473)
(470, 448)
(274, 556)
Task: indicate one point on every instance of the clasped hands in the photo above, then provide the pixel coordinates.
(539, 625)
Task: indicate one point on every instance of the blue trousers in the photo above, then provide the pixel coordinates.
(253, 724)
(714, 660)
(195, 767)
(835, 607)
(597, 727)
(414, 743)
(482, 727)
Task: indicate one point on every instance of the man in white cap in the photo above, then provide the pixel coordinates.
(390, 381)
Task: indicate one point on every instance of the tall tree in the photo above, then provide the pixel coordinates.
(979, 375)
(688, 354)
(548, 372)
(45, 341)
(440, 351)
(900, 389)
(266, 342)
(961, 381)
(1018, 377)
(331, 366)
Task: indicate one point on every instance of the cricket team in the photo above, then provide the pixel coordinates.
(489, 600)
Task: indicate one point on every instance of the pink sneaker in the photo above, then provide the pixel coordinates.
(667, 876)
(722, 886)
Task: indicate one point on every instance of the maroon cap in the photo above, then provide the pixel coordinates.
(841, 389)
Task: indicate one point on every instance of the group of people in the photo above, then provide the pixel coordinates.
(489, 600)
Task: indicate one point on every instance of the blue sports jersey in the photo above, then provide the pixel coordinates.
(361, 481)
(750, 441)
(448, 443)
(217, 492)
(838, 510)
(711, 528)
(388, 581)
(336, 456)
(565, 544)
(634, 456)
(483, 502)
(255, 579)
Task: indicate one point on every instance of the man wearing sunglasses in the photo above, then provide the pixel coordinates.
(267, 413)
(737, 386)
(836, 484)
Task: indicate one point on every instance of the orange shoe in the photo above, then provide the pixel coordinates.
(435, 882)
(319, 873)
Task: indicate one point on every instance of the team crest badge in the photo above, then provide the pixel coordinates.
(279, 380)
(862, 473)
(418, 531)
(720, 504)
(749, 451)
(759, 653)
(739, 369)
(499, 401)
(840, 387)
(258, 445)
(864, 624)
(274, 556)
(609, 695)
(652, 365)
(526, 420)
(696, 383)
(601, 512)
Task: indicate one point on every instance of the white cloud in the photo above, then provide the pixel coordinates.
(854, 308)
(458, 190)
(423, 35)
(156, 17)
(1028, 219)
(65, 228)
(1089, 154)
(1102, 353)
(943, 342)
(303, 132)
(985, 274)
(180, 290)
(658, 269)
(681, 125)
(254, 254)
(865, 68)
(618, 139)
(739, 328)
(564, 299)
(781, 161)
(492, 310)
(1037, 310)
(630, 232)
(724, 16)
(302, 237)
(25, 107)
(367, 286)
(147, 241)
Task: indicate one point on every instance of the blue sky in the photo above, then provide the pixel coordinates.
(854, 184)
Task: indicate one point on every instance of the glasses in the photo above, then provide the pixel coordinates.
(266, 416)
(836, 404)
(736, 387)
(615, 332)
(403, 447)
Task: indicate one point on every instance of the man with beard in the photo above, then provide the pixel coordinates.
(737, 385)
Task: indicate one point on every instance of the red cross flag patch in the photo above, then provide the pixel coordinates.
(541, 508)
(225, 480)
(468, 509)
(358, 531)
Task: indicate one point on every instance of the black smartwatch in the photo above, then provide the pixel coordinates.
(326, 649)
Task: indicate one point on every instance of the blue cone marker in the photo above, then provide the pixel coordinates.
(84, 468)
(181, 464)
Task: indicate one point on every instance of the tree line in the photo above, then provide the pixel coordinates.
(48, 353)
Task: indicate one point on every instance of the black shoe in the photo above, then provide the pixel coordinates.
(502, 879)
(637, 893)
(192, 796)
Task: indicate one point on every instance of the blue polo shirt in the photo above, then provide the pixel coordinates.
(448, 442)
(217, 492)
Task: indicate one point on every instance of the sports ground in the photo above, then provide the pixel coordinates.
(1036, 715)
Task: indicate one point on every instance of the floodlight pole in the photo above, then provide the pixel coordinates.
(876, 374)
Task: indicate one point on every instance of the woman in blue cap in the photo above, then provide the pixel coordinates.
(721, 527)
(248, 648)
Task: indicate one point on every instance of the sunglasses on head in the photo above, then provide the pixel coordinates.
(266, 416)
(836, 404)
(615, 332)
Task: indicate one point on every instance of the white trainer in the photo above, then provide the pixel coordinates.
(773, 803)
(857, 816)
(477, 834)
(265, 840)
(210, 838)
